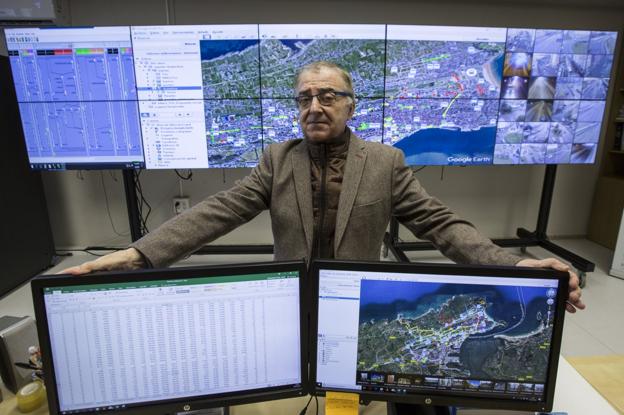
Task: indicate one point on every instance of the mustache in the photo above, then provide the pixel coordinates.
(315, 119)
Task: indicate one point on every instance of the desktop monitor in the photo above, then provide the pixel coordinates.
(173, 340)
(436, 334)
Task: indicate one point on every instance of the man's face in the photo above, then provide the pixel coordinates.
(320, 123)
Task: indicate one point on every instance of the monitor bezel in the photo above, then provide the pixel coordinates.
(178, 405)
(436, 398)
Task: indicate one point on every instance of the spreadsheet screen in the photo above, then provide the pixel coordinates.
(115, 345)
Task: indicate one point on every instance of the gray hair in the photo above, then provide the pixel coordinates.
(320, 65)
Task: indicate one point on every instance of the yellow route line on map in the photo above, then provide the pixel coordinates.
(449, 106)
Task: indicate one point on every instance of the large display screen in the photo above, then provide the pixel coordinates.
(214, 96)
(77, 96)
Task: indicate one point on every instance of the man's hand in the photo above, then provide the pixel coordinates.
(128, 259)
(574, 289)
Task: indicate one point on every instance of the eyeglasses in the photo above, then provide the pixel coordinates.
(325, 98)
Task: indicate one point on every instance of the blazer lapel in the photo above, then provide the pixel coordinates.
(356, 158)
(303, 189)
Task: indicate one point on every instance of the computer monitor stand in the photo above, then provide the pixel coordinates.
(211, 411)
(409, 409)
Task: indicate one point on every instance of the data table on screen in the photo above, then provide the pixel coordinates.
(77, 94)
(130, 343)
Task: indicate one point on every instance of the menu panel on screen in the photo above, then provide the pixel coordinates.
(408, 333)
(199, 95)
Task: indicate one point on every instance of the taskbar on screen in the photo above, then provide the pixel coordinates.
(409, 384)
(131, 165)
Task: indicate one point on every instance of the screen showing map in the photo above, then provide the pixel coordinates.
(360, 49)
(408, 333)
(442, 91)
(216, 95)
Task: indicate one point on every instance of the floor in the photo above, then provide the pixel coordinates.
(595, 331)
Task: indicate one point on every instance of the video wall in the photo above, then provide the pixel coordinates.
(214, 96)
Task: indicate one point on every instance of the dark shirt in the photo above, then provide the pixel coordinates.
(328, 160)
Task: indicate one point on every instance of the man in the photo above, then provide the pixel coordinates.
(330, 195)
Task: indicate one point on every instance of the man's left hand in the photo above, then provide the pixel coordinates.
(574, 289)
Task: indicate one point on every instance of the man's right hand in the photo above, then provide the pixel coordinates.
(125, 260)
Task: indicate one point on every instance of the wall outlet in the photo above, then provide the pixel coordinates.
(180, 204)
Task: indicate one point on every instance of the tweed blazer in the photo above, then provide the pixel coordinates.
(376, 186)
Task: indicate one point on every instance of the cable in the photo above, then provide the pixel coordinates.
(419, 169)
(89, 250)
(110, 217)
(316, 400)
(142, 202)
(303, 411)
(189, 176)
(92, 253)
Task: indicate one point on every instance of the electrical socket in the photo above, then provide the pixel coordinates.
(180, 204)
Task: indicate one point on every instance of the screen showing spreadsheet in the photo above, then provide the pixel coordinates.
(126, 344)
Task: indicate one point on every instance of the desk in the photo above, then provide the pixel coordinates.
(573, 395)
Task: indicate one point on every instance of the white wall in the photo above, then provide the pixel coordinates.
(497, 199)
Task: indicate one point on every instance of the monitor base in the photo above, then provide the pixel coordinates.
(409, 409)
(211, 411)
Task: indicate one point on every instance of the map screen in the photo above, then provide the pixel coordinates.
(206, 96)
(424, 333)
(406, 333)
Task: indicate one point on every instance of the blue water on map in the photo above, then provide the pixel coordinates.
(449, 146)
(211, 49)
(382, 299)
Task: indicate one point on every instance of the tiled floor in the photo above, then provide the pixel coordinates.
(596, 331)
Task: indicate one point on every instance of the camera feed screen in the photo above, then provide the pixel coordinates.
(214, 96)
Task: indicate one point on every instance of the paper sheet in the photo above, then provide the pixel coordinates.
(340, 403)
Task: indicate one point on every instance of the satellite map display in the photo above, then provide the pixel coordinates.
(442, 99)
(231, 84)
(233, 132)
(455, 330)
(279, 120)
(443, 69)
(230, 68)
(442, 132)
(532, 96)
(280, 59)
